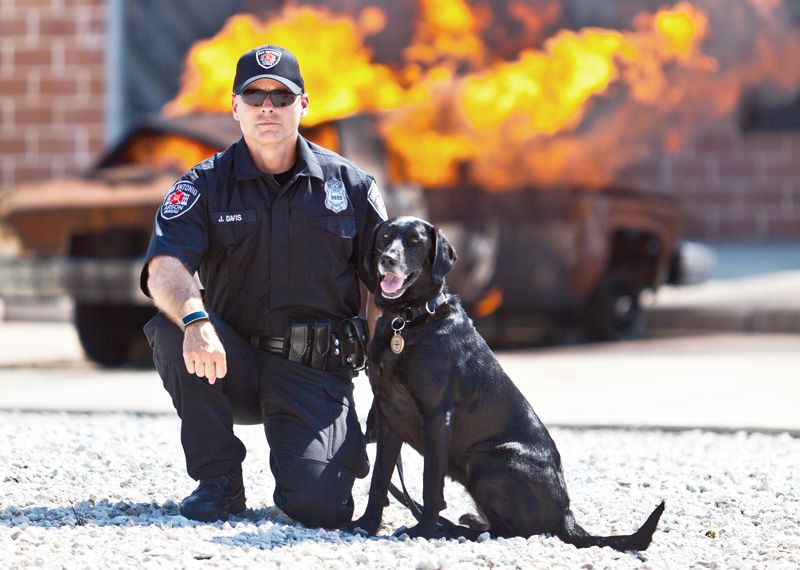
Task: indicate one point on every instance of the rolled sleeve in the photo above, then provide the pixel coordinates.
(180, 229)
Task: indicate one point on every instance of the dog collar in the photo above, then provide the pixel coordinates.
(396, 343)
(428, 308)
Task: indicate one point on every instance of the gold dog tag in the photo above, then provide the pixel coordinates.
(397, 343)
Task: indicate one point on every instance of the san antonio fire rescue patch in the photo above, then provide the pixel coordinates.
(179, 200)
(268, 58)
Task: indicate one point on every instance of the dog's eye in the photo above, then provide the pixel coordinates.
(414, 240)
(385, 235)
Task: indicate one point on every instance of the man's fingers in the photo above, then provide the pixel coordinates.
(210, 365)
(221, 363)
(188, 359)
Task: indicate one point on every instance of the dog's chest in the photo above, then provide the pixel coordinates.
(393, 396)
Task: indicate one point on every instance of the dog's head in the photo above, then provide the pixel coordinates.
(412, 257)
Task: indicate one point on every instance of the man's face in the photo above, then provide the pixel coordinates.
(269, 125)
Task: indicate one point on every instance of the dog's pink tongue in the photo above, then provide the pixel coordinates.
(391, 283)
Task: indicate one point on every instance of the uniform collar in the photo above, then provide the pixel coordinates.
(306, 165)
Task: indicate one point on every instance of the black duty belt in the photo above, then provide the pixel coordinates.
(315, 343)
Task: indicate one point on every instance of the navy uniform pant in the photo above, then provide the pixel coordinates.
(317, 449)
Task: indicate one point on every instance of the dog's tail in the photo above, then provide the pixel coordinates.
(571, 532)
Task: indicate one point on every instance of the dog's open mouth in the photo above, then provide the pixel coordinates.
(393, 286)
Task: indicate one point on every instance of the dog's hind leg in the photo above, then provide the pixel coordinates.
(513, 503)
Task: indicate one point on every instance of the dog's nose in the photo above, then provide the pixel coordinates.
(388, 260)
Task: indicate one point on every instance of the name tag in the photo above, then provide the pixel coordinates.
(233, 217)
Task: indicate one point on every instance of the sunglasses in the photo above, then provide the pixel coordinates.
(278, 97)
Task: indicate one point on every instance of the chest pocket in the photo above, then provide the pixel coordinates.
(231, 228)
(331, 245)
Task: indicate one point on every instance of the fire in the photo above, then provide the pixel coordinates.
(336, 67)
(453, 110)
(506, 122)
(491, 301)
(168, 152)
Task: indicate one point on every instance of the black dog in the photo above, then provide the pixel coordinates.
(438, 387)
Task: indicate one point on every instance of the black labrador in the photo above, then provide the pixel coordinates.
(438, 387)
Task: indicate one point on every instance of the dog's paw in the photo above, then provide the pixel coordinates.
(362, 527)
(420, 530)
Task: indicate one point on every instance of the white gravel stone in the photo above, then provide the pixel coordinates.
(102, 491)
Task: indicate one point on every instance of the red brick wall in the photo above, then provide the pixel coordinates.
(52, 87)
(735, 186)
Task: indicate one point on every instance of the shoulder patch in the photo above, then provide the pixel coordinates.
(375, 200)
(179, 200)
(335, 195)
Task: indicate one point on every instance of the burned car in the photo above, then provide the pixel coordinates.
(530, 259)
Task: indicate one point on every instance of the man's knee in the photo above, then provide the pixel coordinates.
(315, 494)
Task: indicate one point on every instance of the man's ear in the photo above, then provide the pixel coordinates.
(304, 105)
(444, 256)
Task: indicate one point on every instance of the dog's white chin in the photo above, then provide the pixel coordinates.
(396, 295)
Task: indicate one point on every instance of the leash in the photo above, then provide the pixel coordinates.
(405, 499)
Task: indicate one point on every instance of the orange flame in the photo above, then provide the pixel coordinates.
(168, 151)
(491, 301)
(335, 65)
(503, 120)
(575, 111)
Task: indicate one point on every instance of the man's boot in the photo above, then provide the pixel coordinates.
(215, 498)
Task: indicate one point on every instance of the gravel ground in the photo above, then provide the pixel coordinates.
(88, 491)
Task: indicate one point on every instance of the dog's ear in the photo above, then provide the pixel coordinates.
(444, 256)
(369, 258)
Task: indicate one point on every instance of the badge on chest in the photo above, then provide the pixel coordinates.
(335, 195)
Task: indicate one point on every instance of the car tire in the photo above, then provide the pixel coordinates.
(111, 335)
(614, 311)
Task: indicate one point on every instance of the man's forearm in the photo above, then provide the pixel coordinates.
(173, 288)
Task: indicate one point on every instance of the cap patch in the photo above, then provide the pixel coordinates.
(335, 195)
(268, 58)
(375, 200)
(179, 200)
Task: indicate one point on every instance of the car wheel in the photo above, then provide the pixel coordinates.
(614, 311)
(111, 335)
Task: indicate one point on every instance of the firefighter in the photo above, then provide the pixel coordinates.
(278, 230)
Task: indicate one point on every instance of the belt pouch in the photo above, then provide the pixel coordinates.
(297, 336)
(353, 340)
(321, 345)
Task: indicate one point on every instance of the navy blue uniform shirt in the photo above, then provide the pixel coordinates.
(266, 253)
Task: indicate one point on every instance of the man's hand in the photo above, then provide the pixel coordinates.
(203, 352)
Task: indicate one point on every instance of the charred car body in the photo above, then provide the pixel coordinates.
(547, 259)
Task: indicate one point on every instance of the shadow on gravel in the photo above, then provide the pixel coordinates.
(283, 531)
(121, 513)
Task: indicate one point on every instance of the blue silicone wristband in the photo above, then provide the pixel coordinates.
(192, 317)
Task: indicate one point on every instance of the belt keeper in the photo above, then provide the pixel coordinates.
(194, 317)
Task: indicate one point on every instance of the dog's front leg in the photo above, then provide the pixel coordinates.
(386, 454)
(436, 427)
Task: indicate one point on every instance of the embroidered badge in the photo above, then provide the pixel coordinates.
(335, 195)
(267, 57)
(179, 200)
(375, 200)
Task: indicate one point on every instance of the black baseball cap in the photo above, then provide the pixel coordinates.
(268, 62)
